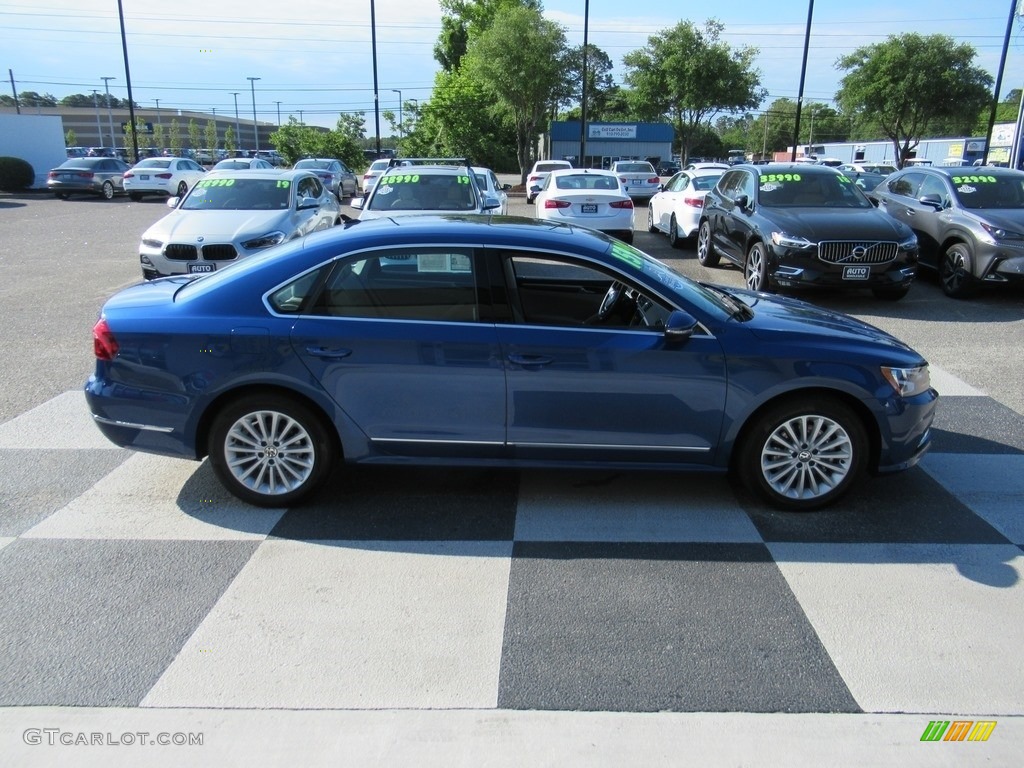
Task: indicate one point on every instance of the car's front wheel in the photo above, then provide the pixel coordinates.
(955, 272)
(802, 455)
(706, 254)
(270, 451)
(755, 270)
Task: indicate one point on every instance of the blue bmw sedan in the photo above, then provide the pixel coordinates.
(508, 342)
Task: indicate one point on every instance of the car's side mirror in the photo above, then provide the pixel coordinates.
(680, 326)
(506, 187)
(932, 201)
(742, 201)
(535, 189)
(490, 203)
(307, 202)
(172, 202)
(357, 203)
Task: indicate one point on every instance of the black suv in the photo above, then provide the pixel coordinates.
(969, 222)
(796, 225)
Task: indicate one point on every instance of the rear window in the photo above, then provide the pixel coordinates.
(586, 181)
(549, 167)
(634, 168)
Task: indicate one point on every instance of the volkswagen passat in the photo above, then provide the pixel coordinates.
(472, 340)
(232, 214)
(804, 225)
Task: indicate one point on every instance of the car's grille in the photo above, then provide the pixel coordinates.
(219, 252)
(856, 252)
(181, 252)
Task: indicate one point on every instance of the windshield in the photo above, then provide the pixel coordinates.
(238, 195)
(976, 191)
(810, 190)
(423, 192)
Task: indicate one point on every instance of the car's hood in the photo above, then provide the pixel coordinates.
(837, 223)
(215, 226)
(780, 316)
(1009, 219)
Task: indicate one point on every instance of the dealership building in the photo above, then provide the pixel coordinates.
(608, 142)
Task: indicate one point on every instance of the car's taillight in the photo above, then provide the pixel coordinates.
(129, 175)
(533, 178)
(52, 175)
(104, 345)
(556, 204)
(163, 175)
(694, 202)
(621, 204)
(654, 180)
(623, 179)
(86, 174)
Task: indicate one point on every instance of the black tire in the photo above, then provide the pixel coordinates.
(650, 221)
(136, 196)
(673, 233)
(706, 253)
(626, 237)
(61, 195)
(301, 452)
(108, 190)
(891, 294)
(955, 275)
(755, 268)
(803, 455)
(182, 189)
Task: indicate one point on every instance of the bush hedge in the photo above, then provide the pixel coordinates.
(15, 174)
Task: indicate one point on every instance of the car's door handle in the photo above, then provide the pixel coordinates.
(910, 211)
(531, 361)
(329, 353)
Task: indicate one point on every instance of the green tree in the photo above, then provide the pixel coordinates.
(211, 136)
(912, 83)
(772, 130)
(194, 134)
(229, 139)
(158, 136)
(462, 20)
(515, 62)
(294, 141)
(690, 74)
(174, 139)
(71, 138)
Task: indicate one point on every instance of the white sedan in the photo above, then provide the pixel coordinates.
(588, 198)
(676, 209)
(170, 176)
(491, 187)
(232, 214)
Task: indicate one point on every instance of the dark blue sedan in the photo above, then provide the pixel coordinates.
(509, 342)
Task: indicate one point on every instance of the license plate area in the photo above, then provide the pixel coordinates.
(588, 208)
(856, 272)
(201, 269)
(144, 177)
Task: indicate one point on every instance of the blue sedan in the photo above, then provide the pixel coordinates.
(465, 340)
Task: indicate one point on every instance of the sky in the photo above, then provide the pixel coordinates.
(318, 62)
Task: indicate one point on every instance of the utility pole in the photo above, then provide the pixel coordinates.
(278, 113)
(255, 128)
(238, 133)
(96, 106)
(110, 116)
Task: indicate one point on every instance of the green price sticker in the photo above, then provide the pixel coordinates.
(282, 184)
(771, 177)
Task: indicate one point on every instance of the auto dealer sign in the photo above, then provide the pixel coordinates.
(612, 132)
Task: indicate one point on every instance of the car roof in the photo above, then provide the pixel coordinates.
(257, 173)
(966, 170)
(801, 168)
(582, 171)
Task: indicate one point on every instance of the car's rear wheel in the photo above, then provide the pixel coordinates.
(673, 233)
(650, 220)
(108, 190)
(61, 195)
(270, 451)
(706, 254)
(802, 455)
(182, 189)
(626, 237)
(136, 196)
(955, 273)
(755, 269)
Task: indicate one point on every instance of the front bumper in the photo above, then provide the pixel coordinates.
(794, 268)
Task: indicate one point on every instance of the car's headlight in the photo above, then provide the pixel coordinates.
(909, 244)
(264, 241)
(907, 382)
(784, 240)
(998, 233)
(151, 243)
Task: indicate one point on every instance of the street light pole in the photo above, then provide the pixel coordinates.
(159, 120)
(238, 132)
(401, 129)
(110, 117)
(255, 128)
(96, 106)
(278, 113)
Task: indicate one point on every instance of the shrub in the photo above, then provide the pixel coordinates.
(15, 174)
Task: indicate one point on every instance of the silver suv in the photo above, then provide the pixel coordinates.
(969, 222)
(425, 185)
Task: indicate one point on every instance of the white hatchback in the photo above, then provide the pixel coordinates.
(168, 176)
(587, 197)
